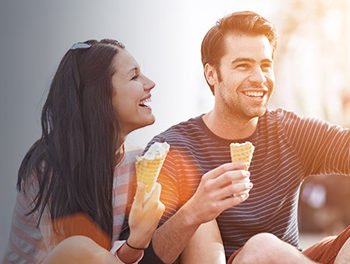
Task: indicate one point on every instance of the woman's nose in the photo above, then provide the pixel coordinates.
(149, 84)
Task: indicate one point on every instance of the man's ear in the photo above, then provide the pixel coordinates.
(210, 74)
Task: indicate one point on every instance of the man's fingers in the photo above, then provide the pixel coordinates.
(229, 177)
(233, 189)
(232, 201)
(224, 168)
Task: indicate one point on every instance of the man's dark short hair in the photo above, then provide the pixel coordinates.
(246, 22)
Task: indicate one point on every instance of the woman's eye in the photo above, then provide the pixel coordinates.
(135, 77)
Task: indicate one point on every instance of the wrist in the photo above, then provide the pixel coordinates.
(132, 247)
(136, 241)
(125, 254)
(189, 218)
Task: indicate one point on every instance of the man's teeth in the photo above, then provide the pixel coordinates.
(254, 94)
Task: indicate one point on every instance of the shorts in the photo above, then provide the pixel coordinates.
(323, 252)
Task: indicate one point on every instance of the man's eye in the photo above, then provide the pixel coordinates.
(266, 67)
(242, 66)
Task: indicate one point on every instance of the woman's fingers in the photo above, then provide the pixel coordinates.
(140, 194)
(155, 196)
(154, 199)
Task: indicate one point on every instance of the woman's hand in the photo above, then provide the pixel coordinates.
(144, 216)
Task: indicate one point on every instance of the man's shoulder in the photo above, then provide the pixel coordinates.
(182, 129)
(286, 121)
(280, 114)
(181, 134)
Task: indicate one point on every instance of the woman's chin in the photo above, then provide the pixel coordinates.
(151, 121)
(147, 121)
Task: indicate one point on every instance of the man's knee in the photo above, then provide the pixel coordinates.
(345, 234)
(261, 248)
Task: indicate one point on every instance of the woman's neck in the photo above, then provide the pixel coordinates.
(119, 154)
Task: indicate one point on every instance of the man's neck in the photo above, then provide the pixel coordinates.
(230, 127)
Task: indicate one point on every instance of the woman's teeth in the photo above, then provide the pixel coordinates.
(144, 102)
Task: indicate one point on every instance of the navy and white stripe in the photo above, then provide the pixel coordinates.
(288, 148)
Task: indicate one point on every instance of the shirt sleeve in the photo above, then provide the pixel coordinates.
(324, 148)
(25, 244)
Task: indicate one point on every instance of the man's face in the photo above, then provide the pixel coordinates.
(245, 80)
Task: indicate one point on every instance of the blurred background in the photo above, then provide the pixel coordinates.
(312, 66)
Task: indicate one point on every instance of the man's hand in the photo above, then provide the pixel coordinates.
(221, 188)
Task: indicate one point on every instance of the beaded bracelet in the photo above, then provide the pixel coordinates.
(133, 247)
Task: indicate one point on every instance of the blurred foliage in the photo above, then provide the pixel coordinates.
(312, 61)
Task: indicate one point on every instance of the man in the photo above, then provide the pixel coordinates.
(237, 55)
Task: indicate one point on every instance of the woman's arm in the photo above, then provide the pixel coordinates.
(143, 220)
(205, 247)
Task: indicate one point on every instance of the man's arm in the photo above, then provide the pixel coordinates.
(214, 194)
(322, 147)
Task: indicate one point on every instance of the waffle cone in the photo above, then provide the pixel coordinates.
(147, 170)
(242, 152)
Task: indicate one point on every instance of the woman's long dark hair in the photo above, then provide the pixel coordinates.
(73, 161)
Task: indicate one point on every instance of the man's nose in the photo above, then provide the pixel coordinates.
(257, 76)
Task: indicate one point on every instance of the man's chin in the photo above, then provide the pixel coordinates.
(262, 112)
(257, 113)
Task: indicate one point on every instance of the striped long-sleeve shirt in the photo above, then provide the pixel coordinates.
(31, 244)
(288, 148)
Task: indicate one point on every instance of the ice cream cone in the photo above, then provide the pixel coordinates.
(149, 165)
(242, 152)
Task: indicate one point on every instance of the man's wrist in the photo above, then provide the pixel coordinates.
(188, 216)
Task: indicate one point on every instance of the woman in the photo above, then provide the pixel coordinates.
(97, 97)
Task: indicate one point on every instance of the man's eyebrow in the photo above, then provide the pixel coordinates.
(243, 59)
(267, 60)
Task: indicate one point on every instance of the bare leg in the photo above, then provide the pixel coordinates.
(343, 256)
(205, 246)
(79, 249)
(266, 248)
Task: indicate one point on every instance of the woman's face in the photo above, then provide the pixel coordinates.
(131, 93)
